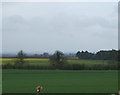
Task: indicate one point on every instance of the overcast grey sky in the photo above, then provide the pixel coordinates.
(69, 27)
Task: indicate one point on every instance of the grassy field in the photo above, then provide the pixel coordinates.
(60, 81)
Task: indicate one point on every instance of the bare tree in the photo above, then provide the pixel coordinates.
(58, 60)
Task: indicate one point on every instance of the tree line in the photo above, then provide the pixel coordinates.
(100, 55)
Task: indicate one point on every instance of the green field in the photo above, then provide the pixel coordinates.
(60, 81)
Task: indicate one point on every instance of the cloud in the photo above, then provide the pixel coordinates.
(51, 29)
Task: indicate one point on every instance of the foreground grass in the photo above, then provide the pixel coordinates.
(60, 81)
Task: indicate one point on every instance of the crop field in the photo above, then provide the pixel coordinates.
(45, 62)
(31, 61)
(60, 81)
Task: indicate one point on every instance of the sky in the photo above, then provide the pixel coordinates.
(68, 27)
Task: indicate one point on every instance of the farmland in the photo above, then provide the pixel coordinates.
(30, 61)
(36, 61)
(70, 64)
(60, 81)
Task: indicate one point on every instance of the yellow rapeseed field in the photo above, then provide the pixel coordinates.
(32, 59)
(37, 59)
(4, 61)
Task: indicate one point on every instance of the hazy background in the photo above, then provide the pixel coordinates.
(69, 27)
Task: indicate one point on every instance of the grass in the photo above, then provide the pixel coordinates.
(60, 81)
